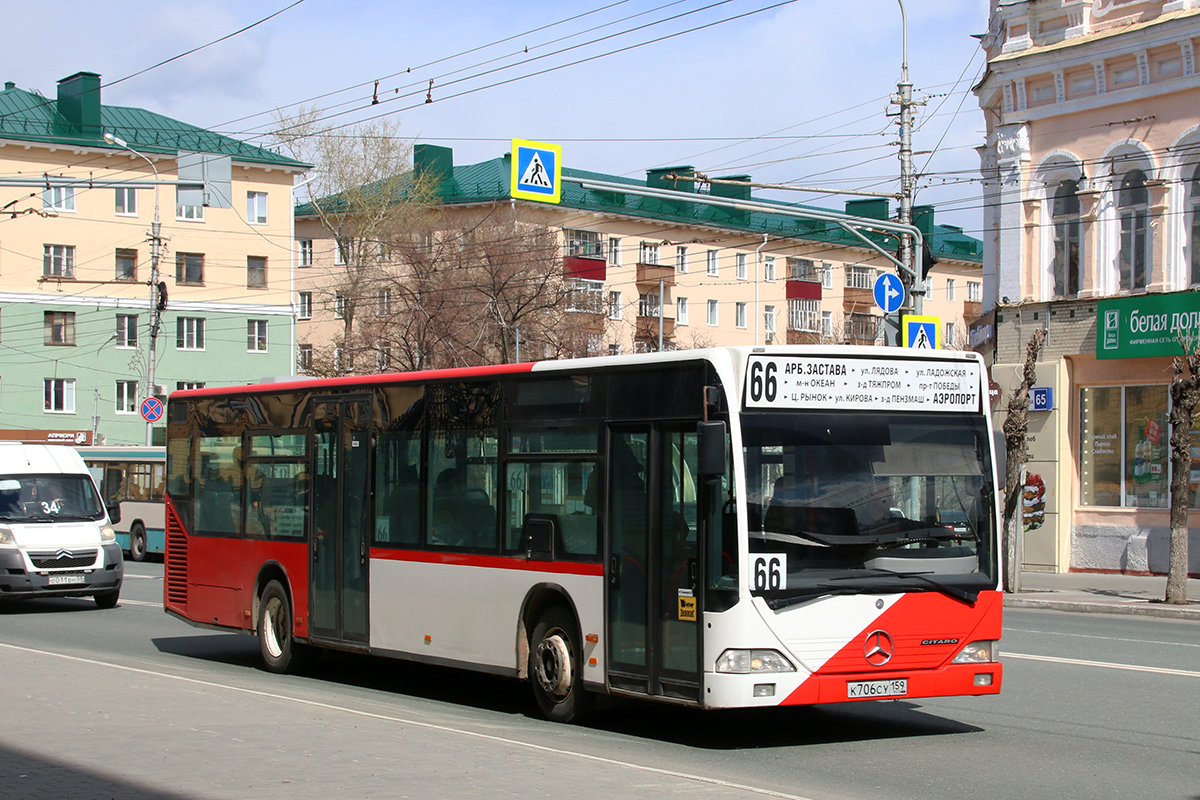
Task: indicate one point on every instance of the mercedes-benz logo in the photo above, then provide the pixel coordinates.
(878, 648)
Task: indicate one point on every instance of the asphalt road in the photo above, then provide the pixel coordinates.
(131, 703)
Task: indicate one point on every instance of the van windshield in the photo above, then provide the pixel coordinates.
(41, 498)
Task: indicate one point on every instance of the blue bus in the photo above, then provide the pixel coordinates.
(133, 476)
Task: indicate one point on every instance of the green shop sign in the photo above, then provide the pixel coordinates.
(1147, 325)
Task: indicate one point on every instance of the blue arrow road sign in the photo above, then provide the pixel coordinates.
(889, 293)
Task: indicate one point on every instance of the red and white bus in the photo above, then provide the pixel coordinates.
(734, 527)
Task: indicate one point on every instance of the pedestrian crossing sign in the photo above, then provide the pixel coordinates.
(921, 333)
(536, 171)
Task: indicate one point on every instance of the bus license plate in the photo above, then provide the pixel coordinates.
(55, 580)
(897, 687)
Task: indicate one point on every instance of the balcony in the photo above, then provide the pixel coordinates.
(647, 328)
(588, 268)
(653, 273)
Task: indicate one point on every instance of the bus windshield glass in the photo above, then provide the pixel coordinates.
(868, 502)
(38, 498)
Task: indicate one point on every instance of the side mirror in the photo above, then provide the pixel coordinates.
(710, 443)
(114, 512)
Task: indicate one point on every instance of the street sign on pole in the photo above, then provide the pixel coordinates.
(536, 171)
(920, 333)
(152, 409)
(889, 293)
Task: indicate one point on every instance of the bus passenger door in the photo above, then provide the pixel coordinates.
(339, 552)
(654, 591)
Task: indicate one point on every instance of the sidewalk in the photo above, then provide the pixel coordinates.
(1103, 594)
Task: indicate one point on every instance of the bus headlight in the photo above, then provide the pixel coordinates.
(6, 535)
(746, 661)
(984, 652)
(107, 534)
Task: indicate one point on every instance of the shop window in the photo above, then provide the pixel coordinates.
(1123, 446)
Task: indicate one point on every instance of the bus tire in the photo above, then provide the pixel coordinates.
(555, 668)
(280, 652)
(137, 542)
(107, 599)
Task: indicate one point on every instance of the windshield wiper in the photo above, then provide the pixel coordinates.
(963, 595)
(784, 599)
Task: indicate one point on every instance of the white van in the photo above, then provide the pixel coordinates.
(56, 536)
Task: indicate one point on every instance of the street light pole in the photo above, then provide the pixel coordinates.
(904, 99)
(155, 311)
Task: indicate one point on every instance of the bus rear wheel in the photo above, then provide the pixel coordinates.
(555, 668)
(280, 653)
(137, 542)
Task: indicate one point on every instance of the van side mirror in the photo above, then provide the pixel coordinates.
(710, 443)
(114, 512)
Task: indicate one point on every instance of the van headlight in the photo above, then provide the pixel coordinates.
(746, 661)
(6, 535)
(984, 652)
(107, 534)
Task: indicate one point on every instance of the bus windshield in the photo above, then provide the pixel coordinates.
(868, 502)
(38, 498)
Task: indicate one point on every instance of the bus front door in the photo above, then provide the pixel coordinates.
(654, 592)
(338, 553)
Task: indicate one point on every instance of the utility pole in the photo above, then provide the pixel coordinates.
(903, 98)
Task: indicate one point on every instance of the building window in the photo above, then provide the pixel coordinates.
(974, 292)
(802, 269)
(681, 311)
(1124, 446)
(186, 212)
(127, 202)
(304, 358)
(58, 261)
(586, 296)
(341, 252)
(769, 269)
(256, 336)
(127, 330)
(950, 290)
(614, 305)
(951, 334)
(59, 198)
(340, 362)
(862, 328)
(1196, 226)
(304, 307)
(587, 244)
(769, 322)
(827, 323)
(803, 315)
(256, 208)
(710, 262)
(1133, 210)
(58, 328)
(1064, 216)
(127, 397)
(648, 253)
(383, 358)
(827, 275)
(712, 313)
(256, 272)
(306, 252)
(127, 265)
(60, 395)
(858, 277)
(341, 305)
(739, 315)
(739, 265)
(648, 305)
(614, 251)
(189, 268)
(189, 333)
(189, 385)
(681, 261)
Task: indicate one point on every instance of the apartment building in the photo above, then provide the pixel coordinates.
(76, 259)
(677, 273)
(1092, 232)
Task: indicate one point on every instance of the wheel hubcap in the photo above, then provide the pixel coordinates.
(273, 631)
(553, 665)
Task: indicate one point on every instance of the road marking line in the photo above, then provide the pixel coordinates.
(129, 575)
(125, 602)
(1105, 638)
(1105, 664)
(668, 773)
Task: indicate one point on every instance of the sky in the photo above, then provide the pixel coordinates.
(787, 92)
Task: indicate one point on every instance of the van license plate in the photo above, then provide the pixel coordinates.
(897, 687)
(57, 580)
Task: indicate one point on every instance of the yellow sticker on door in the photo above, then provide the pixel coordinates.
(687, 609)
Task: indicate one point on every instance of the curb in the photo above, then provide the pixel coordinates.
(1133, 608)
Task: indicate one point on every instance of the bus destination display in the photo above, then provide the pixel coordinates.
(862, 384)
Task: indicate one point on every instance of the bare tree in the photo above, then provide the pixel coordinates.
(1016, 443)
(1185, 394)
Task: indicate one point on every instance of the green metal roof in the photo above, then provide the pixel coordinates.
(32, 117)
(488, 181)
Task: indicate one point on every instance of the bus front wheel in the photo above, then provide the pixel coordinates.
(137, 542)
(555, 668)
(280, 653)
